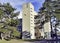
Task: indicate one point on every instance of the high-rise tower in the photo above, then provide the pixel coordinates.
(28, 21)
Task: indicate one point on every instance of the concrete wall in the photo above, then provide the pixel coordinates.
(47, 30)
(28, 19)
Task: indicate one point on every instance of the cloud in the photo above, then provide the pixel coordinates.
(20, 15)
(14, 3)
(18, 3)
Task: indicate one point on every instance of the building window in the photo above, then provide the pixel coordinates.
(35, 34)
(31, 11)
(27, 5)
(31, 14)
(25, 14)
(31, 20)
(31, 8)
(56, 6)
(31, 23)
(31, 26)
(59, 2)
(31, 17)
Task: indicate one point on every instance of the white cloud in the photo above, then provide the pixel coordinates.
(18, 4)
(14, 3)
(20, 15)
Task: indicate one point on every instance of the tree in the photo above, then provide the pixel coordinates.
(8, 20)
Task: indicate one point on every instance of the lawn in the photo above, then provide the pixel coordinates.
(12, 41)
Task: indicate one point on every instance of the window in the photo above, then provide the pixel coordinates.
(31, 20)
(31, 14)
(27, 5)
(35, 34)
(31, 17)
(59, 2)
(25, 14)
(31, 8)
(31, 11)
(56, 6)
(31, 26)
(31, 23)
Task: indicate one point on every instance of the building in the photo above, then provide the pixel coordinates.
(47, 30)
(34, 26)
(58, 29)
(39, 31)
(20, 27)
(28, 25)
(45, 21)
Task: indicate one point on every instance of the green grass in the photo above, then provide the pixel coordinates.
(12, 41)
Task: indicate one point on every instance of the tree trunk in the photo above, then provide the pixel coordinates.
(2, 36)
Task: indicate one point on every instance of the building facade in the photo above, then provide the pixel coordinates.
(39, 31)
(20, 27)
(35, 26)
(28, 25)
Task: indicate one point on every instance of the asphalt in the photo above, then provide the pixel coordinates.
(44, 41)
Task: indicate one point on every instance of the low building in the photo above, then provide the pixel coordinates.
(39, 32)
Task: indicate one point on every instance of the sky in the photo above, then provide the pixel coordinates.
(18, 4)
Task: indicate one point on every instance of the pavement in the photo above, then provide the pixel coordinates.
(44, 41)
(21, 41)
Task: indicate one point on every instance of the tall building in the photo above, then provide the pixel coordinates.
(20, 27)
(28, 25)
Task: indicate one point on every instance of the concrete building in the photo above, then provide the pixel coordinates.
(39, 31)
(28, 25)
(47, 30)
(34, 26)
(20, 27)
(45, 23)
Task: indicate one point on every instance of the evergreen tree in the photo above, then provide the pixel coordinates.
(8, 20)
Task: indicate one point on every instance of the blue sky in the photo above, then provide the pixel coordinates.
(18, 3)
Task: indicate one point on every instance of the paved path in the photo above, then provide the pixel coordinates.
(21, 41)
(40, 42)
